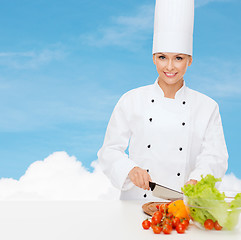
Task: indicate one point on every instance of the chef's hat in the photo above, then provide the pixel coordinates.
(173, 26)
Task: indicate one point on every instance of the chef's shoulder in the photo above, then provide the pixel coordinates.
(202, 101)
(135, 96)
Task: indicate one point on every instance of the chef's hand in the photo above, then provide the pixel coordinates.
(192, 181)
(140, 177)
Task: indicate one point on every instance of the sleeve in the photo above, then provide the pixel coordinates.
(213, 157)
(113, 160)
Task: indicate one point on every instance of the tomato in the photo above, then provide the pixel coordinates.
(185, 222)
(167, 221)
(167, 229)
(157, 229)
(163, 208)
(175, 222)
(217, 226)
(157, 206)
(169, 215)
(180, 228)
(209, 224)
(156, 219)
(146, 224)
(158, 213)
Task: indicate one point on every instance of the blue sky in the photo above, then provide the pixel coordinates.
(64, 65)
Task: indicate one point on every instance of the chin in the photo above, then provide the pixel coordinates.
(171, 82)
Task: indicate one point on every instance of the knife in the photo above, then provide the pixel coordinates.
(165, 192)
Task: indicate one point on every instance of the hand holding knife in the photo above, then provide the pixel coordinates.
(141, 178)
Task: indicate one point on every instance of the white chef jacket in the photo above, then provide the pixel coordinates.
(174, 139)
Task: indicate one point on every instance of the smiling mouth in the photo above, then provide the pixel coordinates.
(170, 74)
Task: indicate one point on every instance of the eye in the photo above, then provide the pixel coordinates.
(161, 57)
(179, 58)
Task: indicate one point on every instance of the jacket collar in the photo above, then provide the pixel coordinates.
(179, 94)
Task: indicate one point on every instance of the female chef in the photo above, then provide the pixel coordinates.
(174, 134)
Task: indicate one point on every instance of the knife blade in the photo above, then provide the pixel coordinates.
(165, 192)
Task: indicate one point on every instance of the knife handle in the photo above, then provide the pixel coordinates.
(152, 185)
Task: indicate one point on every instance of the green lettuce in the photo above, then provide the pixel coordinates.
(234, 212)
(207, 202)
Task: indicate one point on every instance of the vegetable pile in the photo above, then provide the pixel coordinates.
(208, 206)
(165, 218)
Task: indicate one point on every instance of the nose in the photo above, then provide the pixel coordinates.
(170, 65)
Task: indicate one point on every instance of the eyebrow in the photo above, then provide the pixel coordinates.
(174, 55)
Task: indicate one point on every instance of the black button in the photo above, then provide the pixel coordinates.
(152, 100)
(178, 174)
(149, 146)
(150, 119)
(180, 149)
(183, 102)
(183, 124)
(145, 195)
(147, 170)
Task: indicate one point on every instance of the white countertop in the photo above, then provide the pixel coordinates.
(84, 220)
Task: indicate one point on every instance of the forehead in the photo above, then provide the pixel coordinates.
(171, 54)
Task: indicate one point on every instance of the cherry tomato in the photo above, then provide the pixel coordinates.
(157, 206)
(146, 224)
(217, 226)
(175, 222)
(180, 228)
(156, 219)
(209, 224)
(167, 229)
(167, 221)
(157, 229)
(163, 208)
(169, 215)
(158, 213)
(185, 222)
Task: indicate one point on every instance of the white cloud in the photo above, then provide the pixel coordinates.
(62, 177)
(59, 177)
(30, 59)
(125, 31)
(230, 184)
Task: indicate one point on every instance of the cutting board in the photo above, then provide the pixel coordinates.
(150, 207)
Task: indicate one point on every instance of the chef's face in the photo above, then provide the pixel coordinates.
(171, 67)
